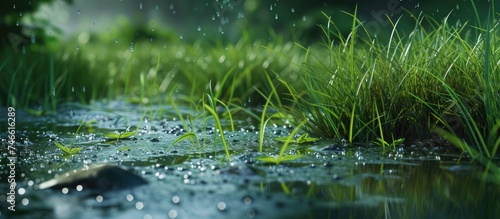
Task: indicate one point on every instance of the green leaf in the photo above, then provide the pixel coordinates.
(188, 135)
(114, 135)
(67, 150)
(268, 159)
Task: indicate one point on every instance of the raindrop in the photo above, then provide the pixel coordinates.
(304, 18)
(14, 6)
(276, 16)
(131, 46)
(33, 39)
(54, 91)
(271, 8)
(140, 5)
(20, 14)
(157, 7)
(139, 205)
(458, 7)
(181, 37)
(213, 17)
(73, 89)
(83, 89)
(199, 28)
(221, 206)
(116, 40)
(17, 23)
(293, 10)
(99, 198)
(171, 6)
(130, 197)
(78, 12)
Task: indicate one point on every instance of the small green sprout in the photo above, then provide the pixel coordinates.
(68, 150)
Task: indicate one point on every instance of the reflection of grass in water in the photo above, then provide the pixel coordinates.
(410, 191)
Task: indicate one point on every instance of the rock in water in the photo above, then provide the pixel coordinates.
(102, 177)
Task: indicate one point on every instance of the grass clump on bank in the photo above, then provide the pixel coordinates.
(360, 89)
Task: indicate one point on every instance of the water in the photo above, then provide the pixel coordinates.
(185, 181)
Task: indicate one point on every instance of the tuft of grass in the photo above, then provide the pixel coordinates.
(281, 156)
(360, 88)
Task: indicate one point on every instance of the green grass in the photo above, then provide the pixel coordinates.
(352, 86)
(360, 89)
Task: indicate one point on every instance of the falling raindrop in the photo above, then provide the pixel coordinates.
(293, 10)
(131, 46)
(140, 5)
(116, 40)
(181, 37)
(157, 7)
(199, 28)
(73, 89)
(83, 89)
(14, 6)
(213, 17)
(271, 8)
(171, 6)
(20, 14)
(78, 12)
(54, 91)
(17, 23)
(276, 16)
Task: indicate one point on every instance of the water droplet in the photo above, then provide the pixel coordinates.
(83, 89)
(73, 89)
(199, 28)
(20, 14)
(116, 40)
(276, 16)
(181, 37)
(14, 6)
(304, 18)
(140, 5)
(78, 12)
(293, 10)
(131, 47)
(271, 8)
(157, 7)
(17, 23)
(171, 6)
